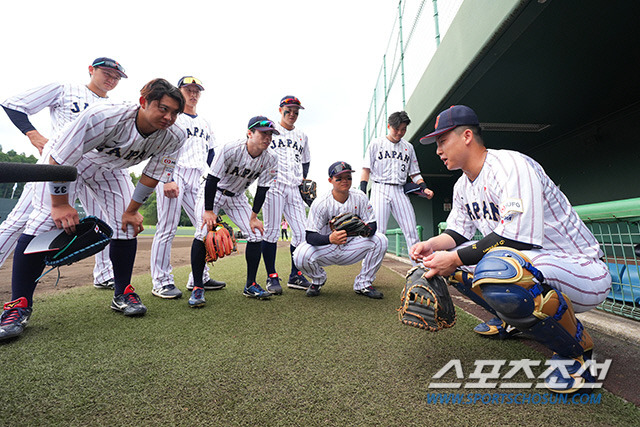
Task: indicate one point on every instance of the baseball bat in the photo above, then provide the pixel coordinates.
(27, 172)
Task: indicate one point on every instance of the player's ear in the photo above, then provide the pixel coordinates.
(91, 70)
(143, 102)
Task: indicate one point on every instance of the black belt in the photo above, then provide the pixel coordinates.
(227, 193)
(385, 183)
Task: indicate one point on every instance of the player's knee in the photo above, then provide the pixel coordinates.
(380, 241)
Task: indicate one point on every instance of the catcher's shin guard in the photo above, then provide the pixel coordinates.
(463, 282)
(514, 288)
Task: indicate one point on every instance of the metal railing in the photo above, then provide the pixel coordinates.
(414, 38)
(616, 226)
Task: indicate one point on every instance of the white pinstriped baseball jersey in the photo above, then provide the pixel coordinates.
(107, 136)
(508, 197)
(237, 169)
(200, 140)
(65, 102)
(292, 150)
(326, 207)
(390, 162)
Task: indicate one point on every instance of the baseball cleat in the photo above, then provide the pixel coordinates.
(14, 318)
(495, 328)
(108, 284)
(255, 291)
(313, 290)
(298, 281)
(167, 292)
(128, 303)
(273, 284)
(370, 292)
(197, 298)
(209, 285)
(569, 379)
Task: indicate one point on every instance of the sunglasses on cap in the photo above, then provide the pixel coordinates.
(110, 64)
(262, 123)
(190, 80)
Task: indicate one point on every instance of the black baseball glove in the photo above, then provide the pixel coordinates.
(92, 236)
(308, 191)
(351, 223)
(426, 303)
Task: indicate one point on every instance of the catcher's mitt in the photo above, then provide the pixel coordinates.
(219, 243)
(351, 223)
(308, 191)
(426, 303)
(92, 236)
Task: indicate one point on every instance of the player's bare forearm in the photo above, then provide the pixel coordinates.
(437, 243)
(364, 176)
(255, 223)
(37, 140)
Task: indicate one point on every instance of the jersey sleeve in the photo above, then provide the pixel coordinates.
(161, 165)
(36, 99)
(458, 219)
(218, 167)
(521, 202)
(414, 167)
(364, 210)
(366, 162)
(306, 152)
(317, 219)
(268, 176)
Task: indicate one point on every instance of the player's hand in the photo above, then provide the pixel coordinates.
(209, 219)
(171, 190)
(37, 140)
(420, 250)
(429, 193)
(133, 219)
(338, 237)
(256, 224)
(441, 262)
(65, 216)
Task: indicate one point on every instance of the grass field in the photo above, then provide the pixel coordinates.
(338, 359)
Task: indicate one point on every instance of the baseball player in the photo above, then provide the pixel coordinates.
(65, 102)
(235, 167)
(530, 232)
(182, 192)
(387, 162)
(292, 149)
(102, 143)
(325, 247)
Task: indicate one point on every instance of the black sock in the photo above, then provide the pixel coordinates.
(198, 255)
(252, 255)
(123, 255)
(26, 269)
(269, 256)
(294, 269)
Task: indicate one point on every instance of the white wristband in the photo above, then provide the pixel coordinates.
(58, 188)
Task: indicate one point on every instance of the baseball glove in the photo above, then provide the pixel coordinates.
(426, 303)
(92, 236)
(308, 191)
(219, 243)
(351, 223)
(414, 189)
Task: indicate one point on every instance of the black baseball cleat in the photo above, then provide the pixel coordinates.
(298, 281)
(209, 285)
(107, 284)
(370, 292)
(273, 284)
(128, 303)
(313, 290)
(14, 318)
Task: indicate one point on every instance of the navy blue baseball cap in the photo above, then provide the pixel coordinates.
(449, 119)
(338, 168)
(190, 80)
(291, 101)
(104, 62)
(262, 124)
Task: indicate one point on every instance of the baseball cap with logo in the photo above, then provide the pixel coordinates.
(262, 124)
(104, 62)
(338, 168)
(290, 101)
(449, 119)
(190, 80)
